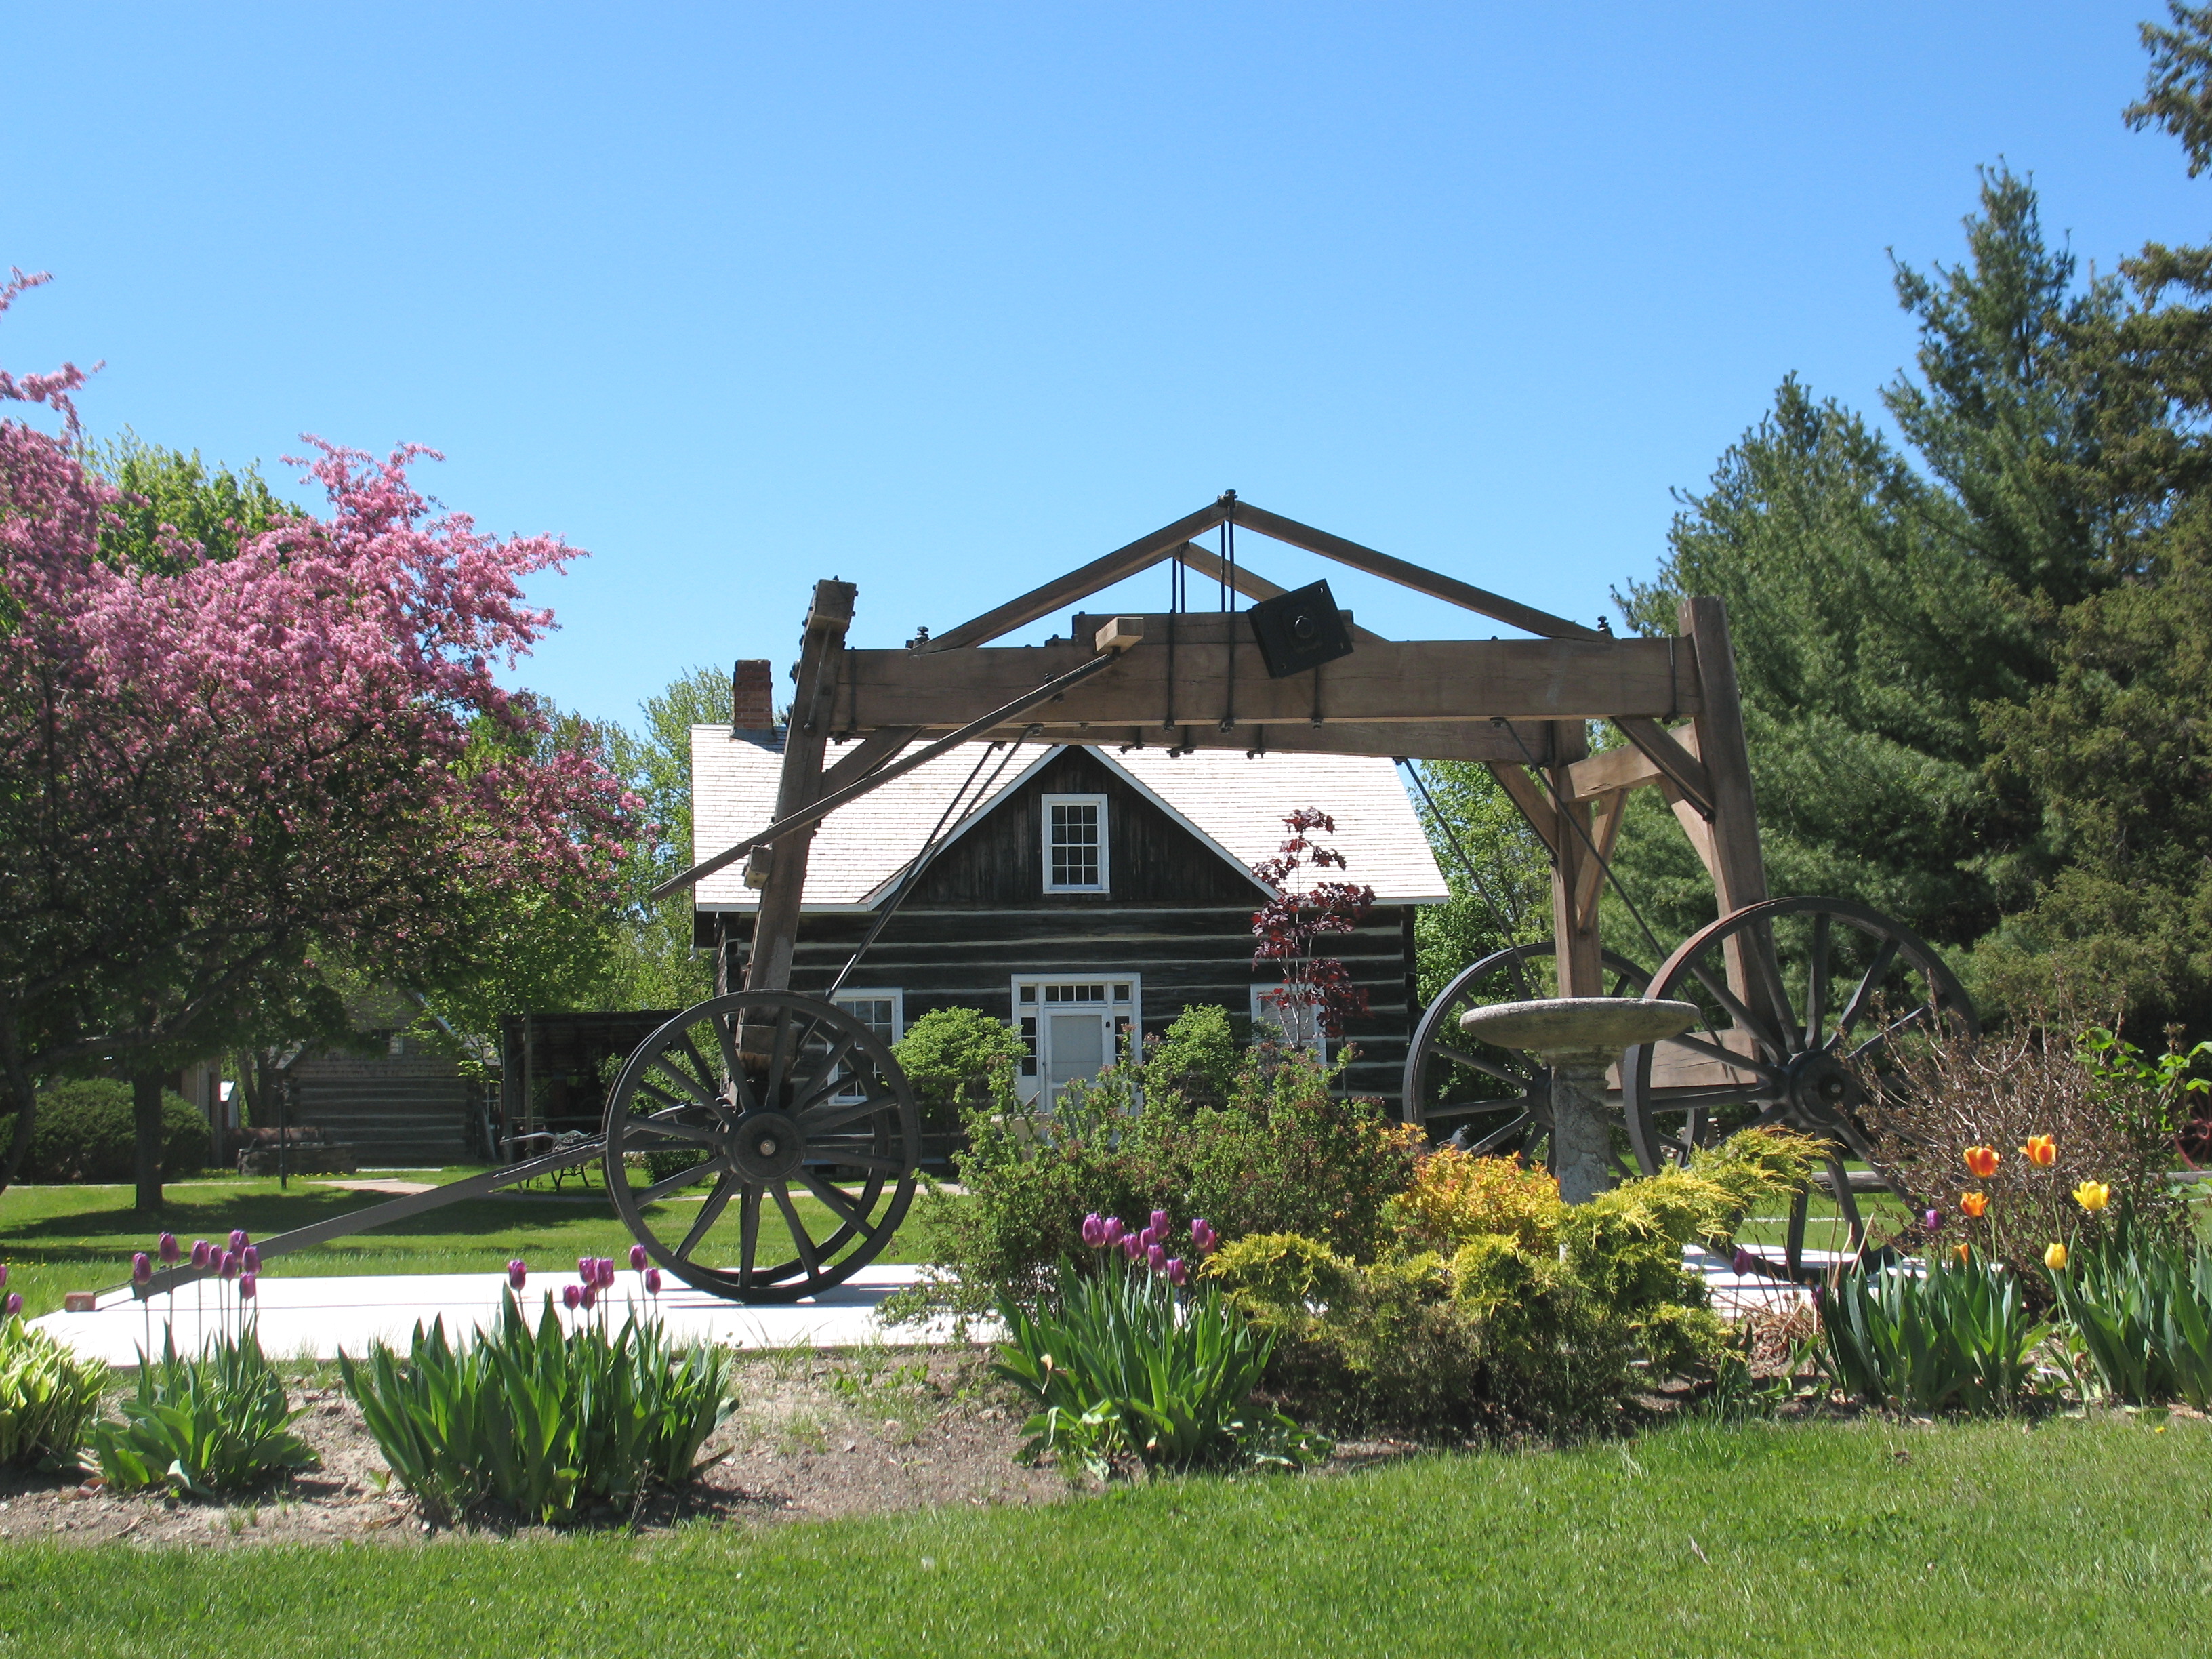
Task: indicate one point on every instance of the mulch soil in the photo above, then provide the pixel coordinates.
(815, 1435)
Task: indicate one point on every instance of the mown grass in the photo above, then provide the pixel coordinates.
(55, 1239)
(2069, 1538)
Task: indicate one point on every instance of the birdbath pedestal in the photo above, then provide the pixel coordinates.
(1578, 1037)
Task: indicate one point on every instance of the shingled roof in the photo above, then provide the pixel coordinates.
(1232, 803)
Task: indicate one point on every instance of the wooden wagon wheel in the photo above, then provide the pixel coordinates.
(1840, 987)
(830, 1113)
(1499, 1098)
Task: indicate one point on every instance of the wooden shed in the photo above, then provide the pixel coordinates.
(1077, 891)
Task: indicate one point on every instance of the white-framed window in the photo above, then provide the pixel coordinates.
(1073, 1030)
(1295, 1026)
(883, 1012)
(1075, 844)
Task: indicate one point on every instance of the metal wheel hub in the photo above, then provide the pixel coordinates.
(766, 1146)
(1822, 1089)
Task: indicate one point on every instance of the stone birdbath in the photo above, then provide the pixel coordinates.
(1579, 1038)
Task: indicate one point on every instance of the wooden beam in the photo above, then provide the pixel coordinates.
(1590, 885)
(1079, 584)
(1386, 681)
(1441, 740)
(1535, 805)
(1626, 768)
(872, 752)
(1681, 766)
(1252, 585)
(1433, 583)
(1579, 963)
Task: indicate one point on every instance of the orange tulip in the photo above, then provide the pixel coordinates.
(1974, 1204)
(2040, 1149)
(1982, 1161)
(1960, 1250)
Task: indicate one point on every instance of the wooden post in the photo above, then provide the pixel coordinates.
(775, 928)
(1731, 841)
(1581, 971)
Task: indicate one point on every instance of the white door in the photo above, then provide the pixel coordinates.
(1072, 1031)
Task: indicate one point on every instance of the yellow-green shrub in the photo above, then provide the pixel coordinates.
(1455, 1197)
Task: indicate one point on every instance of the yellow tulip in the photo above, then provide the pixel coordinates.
(2093, 1194)
(2054, 1257)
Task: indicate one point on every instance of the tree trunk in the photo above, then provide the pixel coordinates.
(146, 1118)
(22, 1099)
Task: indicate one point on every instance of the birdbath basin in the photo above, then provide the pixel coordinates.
(1578, 1037)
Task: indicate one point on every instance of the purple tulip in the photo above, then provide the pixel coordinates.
(587, 1269)
(570, 1296)
(169, 1248)
(1204, 1237)
(237, 1240)
(1094, 1230)
(607, 1271)
(1157, 1257)
(1177, 1272)
(250, 1258)
(142, 1268)
(245, 1286)
(230, 1264)
(1162, 1223)
(1130, 1248)
(201, 1251)
(517, 1272)
(1116, 1230)
(589, 1296)
(653, 1281)
(1742, 1261)
(15, 1302)
(1932, 1220)
(637, 1258)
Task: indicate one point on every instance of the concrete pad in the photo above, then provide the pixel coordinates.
(309, 1317)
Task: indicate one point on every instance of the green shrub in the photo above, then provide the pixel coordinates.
(1126, 1365)
(1284, 1154)
(1956, 1336)
(2142, 1315)
(48, 1396)
(957, 1058)
(218, 1422)
(83, 1131)
(543, 1421)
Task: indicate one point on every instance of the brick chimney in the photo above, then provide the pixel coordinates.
(753, 697)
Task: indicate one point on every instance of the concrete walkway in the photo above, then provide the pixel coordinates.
(312, 1318)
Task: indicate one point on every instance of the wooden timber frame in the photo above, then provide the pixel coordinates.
(1196, 680)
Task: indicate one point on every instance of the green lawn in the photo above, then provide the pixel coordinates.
(73, 1238)
(1866, 1539)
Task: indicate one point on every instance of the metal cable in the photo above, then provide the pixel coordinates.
(1658, 951)
(1482, 889)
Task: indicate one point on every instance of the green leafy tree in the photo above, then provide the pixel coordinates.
(1472, 825)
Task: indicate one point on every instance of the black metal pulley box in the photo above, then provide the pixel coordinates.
(1300, 629)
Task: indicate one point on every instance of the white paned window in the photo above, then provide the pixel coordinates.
(1072, 1030)
(883, 1012)
(1295, 1026)
(1075, 844)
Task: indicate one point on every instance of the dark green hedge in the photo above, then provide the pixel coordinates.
(82, 1131)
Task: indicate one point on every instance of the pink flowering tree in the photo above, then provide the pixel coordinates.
(218, 777)
(1316, 992)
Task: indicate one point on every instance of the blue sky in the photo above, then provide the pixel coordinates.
(944, 300)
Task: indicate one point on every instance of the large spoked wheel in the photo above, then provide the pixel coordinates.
(741, 1109)
(1490, 1100)
(1835, 991)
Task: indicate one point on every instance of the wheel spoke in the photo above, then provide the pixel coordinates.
(710, 1211)
(836, 1202)
(1816, 981)
(889, 1166)
(707, 1073)
(749, 1211)
(823, 1119)
(1477, 1063)
(1497, 1137)
(1925, 1011)
(828, 1078)
(1693, 1100)
(1715, 1051)
(1867, 989)
(668, 1184)
(668, 1127)
(780, 1058)
(690, 1085)
(801, 1240)
(654, 1091)
(1742, 1015)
